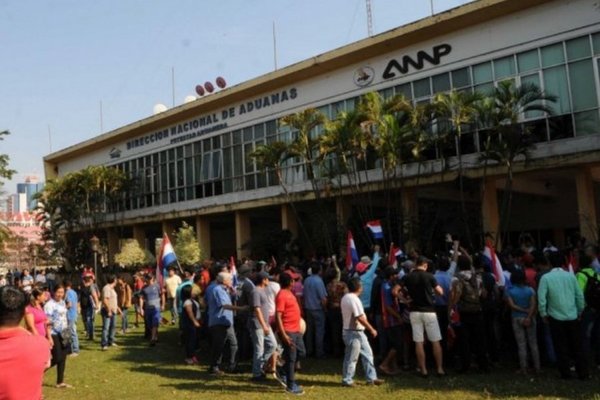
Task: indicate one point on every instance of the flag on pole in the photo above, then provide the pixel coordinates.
(351, 253)
(395, 252)
(375, 228)
(495, 264)
(166, 257)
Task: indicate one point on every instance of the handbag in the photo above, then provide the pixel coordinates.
(65, 338)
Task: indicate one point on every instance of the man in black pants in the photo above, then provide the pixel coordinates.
(466, 293)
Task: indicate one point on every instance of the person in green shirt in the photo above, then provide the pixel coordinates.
(560, 302)
(590, 318)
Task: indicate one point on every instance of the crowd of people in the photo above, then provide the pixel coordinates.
(397, 314)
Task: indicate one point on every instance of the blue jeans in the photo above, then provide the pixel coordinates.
(109, 329)
(264, 346)
(220, 336)
(124, 321)
(74, 337)
(88, 320)
(357, 345)
(174, 311)
(315, 332)
(590, 329)
(291, 354)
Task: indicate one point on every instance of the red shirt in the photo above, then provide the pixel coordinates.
(287, 305)
(23, 359)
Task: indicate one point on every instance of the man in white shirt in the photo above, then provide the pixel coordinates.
(355, 322)
(171, 284)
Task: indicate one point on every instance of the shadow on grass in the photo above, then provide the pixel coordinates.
(166, 360)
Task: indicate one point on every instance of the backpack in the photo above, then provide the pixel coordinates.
(592, 291)
(86, 297)
(469, 301)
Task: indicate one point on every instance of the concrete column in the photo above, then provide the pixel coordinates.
(139, 234)
(203, 236)
(112, 239)
(489, 208)
(586, 204)
(343, 210)
(242, 233)
(169, 227)
(410, 207)
(288, 220)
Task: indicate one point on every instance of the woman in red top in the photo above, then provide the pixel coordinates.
(36, 320)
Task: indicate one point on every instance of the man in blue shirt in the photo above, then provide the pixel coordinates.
(220, 323)
(71, 301)
(315, 301)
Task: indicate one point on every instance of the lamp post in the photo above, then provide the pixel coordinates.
(94, 244)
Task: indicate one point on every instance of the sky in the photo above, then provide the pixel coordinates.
(67, 62)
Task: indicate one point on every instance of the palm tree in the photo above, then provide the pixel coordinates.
(509, 140)
(271, 157)
(459, 109)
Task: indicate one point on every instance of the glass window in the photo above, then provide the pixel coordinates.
(259, 131)
(337, 108)
(386, 93)
(179, 151)
(535, 80)
(226, 139)
(556, 84)
(485, 89)
(247, 134)
(441, 82)
(504, 67)
(237, 137)
(227, 170)
(238, 161)
(422, 88)
(206, 145)
(216, 142)
(216, 165)
(404, 90)
(583, 94)
(586, 123)
(271, 128)
(189, 171)
(596, 40)
(248, 148)
(553, 55)
(461, 78)
(482, 72)
(578, 48)
(528, 61)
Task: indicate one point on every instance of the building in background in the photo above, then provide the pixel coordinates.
(192, 162)
(29, 189)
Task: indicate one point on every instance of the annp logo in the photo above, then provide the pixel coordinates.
(363, 76)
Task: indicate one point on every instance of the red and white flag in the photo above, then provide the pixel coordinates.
(495, 264)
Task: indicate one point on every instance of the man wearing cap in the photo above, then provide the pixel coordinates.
(315, 301)
(263, 339)
(421, 286)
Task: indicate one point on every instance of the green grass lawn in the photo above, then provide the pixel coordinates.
(135, 371)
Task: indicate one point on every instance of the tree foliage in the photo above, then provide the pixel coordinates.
(186, 246)
(79, 201)
(131, 254)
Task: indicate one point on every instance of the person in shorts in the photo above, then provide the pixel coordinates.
(152, 302)
(421, 286)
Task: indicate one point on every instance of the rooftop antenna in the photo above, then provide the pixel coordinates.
(50, 138)
(431, 3)
(369, 18)
(173, 84)
(274, 47)
(101, 119)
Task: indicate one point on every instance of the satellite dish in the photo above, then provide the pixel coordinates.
(209, 87)
(200, 90)
(158, 108)
(221, 82)
(189, 99)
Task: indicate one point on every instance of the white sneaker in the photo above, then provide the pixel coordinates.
(104, 348)
(73, 354)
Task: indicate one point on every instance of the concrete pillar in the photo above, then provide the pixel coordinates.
(169, 228)
(288, 220)
(343, 210)
(489, 208)
(586, 204)
(242, 233)
(410, 209)
(139, 234)
(203, 236)
(112, 239)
